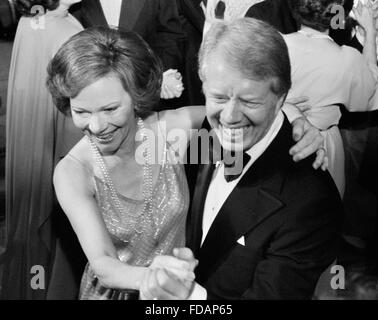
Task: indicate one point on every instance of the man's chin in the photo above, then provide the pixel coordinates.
(233, 146)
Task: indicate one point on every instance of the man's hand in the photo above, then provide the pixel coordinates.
(309, 140)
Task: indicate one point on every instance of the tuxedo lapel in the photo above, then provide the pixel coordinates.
(243, 210)
(195, 13)
(130, 11)
(194, 234)
(93, 13)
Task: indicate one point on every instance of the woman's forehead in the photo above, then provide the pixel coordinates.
(101, 92)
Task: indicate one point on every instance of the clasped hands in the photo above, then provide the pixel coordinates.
(169, 277)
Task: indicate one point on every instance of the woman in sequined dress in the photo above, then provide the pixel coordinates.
(122, 224)
(122, 186)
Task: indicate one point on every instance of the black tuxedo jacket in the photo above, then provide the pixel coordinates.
(275, 12)
(156, 21)
(289, 215)
(193, 20)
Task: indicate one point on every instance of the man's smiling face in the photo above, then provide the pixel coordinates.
(239, 109)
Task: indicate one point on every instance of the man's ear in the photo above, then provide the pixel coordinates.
(280, 102)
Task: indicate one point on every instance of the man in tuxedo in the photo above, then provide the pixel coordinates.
(269, 230)
(156, 21)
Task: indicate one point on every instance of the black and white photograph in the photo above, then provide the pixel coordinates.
(189, 150)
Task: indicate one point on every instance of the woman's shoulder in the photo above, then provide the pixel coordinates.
(78, 161)
(73, 175)
(186, 118)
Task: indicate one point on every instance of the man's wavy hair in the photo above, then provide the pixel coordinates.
(101, 52)
(251, 46)
(24, 7)
(316, 14)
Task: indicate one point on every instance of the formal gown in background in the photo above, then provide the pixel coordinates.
(37, 136)
(137, 236)
(329, 75)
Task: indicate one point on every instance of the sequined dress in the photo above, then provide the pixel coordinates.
(137, 239)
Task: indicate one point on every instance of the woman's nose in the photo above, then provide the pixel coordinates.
(231, 112)
(96, 124)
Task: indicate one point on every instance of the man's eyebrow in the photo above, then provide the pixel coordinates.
(75, 107)
(251, 99)
(216, 92)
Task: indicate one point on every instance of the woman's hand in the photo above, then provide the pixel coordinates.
(301, 103)
(172, 86)
(183, 269)
(309, 140)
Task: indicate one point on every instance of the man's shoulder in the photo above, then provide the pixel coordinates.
(299, 181)
(310, 195)
(310, 180)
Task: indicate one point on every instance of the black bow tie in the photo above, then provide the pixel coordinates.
(233, 170)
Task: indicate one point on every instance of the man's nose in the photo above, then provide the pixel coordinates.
(96, 124)
(231, 112)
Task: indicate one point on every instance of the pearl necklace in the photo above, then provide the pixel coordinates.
(146, 214)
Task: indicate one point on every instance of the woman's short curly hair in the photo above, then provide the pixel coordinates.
(24, 7)
(316, 14)
(101, 52)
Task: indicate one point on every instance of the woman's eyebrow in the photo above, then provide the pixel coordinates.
(102, 107)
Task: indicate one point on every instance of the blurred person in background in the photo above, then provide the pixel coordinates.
(37, 136)
(157, 22)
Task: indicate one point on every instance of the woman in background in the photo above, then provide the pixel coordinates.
(37, 136)
(330, 75)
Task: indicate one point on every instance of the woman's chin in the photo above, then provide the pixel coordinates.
(107, 148)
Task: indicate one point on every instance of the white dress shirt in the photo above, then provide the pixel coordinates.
(112, 11)
(219, 189)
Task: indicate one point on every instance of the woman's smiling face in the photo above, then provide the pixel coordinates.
(104, 111)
